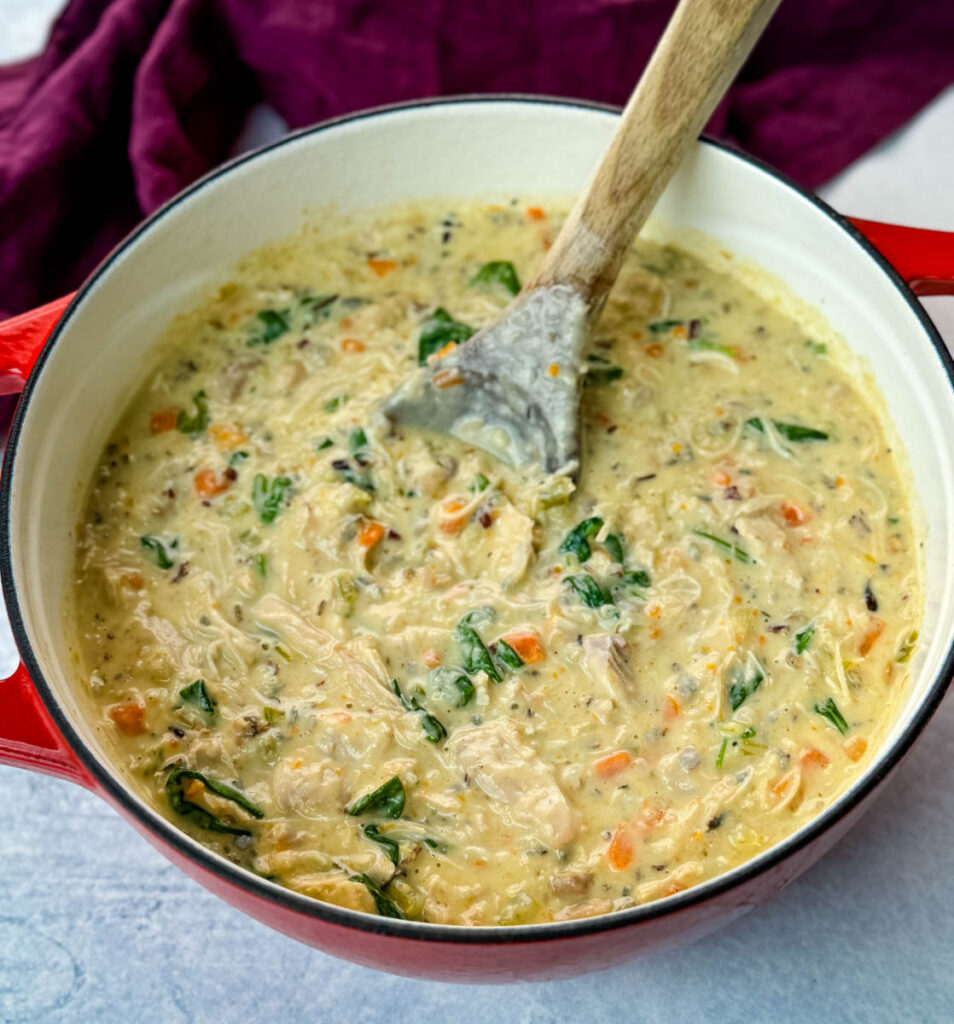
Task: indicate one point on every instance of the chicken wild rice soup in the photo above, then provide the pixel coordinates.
(388, 672)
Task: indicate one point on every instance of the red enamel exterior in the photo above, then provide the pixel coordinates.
(29, 739)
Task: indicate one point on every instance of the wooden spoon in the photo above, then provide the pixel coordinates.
(514, 387)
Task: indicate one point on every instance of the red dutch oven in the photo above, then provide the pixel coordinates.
(78, 361)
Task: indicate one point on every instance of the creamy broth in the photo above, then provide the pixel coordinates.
(387, 671)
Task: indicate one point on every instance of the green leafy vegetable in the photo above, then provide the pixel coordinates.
(614, 545)
(451, 685)
(721, 755)
(803, 638)
(387, 798)
(261, 564)
(389, 846)
(237, 458)
(820, 348)
(273, 716)
(181, 804)
(269, 497)
(199, 420)
(274, 324)
(576, 542)
(358, 440)
(498, 272)
(386, 907)
(601, 371)
(790, 431)
(739, 553)
(433, 729)
(198, 696)
(906, 647)
(440, 330)
(636, 578)
(334, 403)
(507, 655)
(744, 680)
(664, 326)
(588, 590)
(160, 551)
(479, 483)
(476, 656)
(710, 345)
(326, 443)
(829, 709)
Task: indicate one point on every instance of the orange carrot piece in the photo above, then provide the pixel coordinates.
(612, 764)
(855, 748)
(369, 534)
(134, 580)
(813, 758)
(620, 852)
(382, 267)
(870, 638)
(794, 515)
(446, 350)
(528, 646)
(431, 658)
(208, 485)
(670, 708)
(130, 719)
(654, 351)
(680, 332)
(226, 436)
(163, 420)
(721, 478)
(353, 345)
(452, 521)
(536, 213)
(447, 379)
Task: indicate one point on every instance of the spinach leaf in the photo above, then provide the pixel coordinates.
(803, 638)
(160, 551)
(479, 483)
(388, 799)
(199, 420)
(790, 431)
(181, 804)
(440, 330)
(576, 541)
(358, 440)
(386, 907)
(269, 497)
(433, 729)
(236, 458)
(273, 716)
(636, 578)
(829, 709)
(744, 680)
(739, 553)
(274, 325)
(451, 685)
(389, 846)
(198, 696)
(709, 345)
(334, 403)
(664, 326)
(505, 654)
(476, 656)
(322, 445)
(601, 371)
(498, 272)
(614, 545)
(588, 590)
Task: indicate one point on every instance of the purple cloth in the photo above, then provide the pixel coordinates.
(133, 99)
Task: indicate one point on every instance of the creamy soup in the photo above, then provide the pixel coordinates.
(386, 671)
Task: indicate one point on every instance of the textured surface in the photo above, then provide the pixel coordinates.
(96, 926)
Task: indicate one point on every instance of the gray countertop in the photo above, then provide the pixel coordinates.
(97, 926)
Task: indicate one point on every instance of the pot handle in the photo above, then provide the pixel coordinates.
(28, 737)
(925, 259)
(21, 339)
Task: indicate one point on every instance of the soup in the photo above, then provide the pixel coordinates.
(389, 672)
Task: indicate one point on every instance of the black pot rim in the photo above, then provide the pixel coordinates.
(252, 884)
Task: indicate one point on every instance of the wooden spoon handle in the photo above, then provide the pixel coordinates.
(699, 54)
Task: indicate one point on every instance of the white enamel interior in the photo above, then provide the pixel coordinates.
(454, 150)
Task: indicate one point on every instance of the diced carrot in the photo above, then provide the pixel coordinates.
(870, 638)
(130, 719)
(431, 658)
(528, 646)
(721, 478)
(554, 369)
(612, 764)
(208, 485)
(447, 379)
(654, 351)
(134, 580)
(813, 758)
(446, 350)
(794, 515)
(855, 748)
(670, 708)
(193, 789)
(536, 213)
(382, 267)
(451, 520)
(352, 345)
(620, 852)
(369, 534)
(226, 436)
(679, 331)
(163, 420)
(839, 481)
